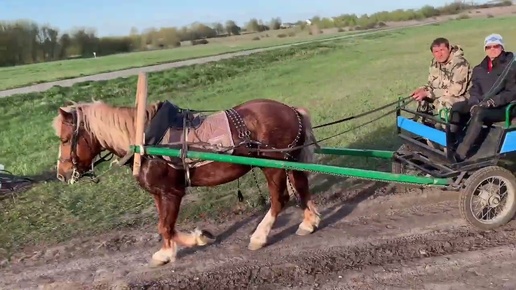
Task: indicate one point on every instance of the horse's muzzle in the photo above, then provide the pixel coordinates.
(67, 177)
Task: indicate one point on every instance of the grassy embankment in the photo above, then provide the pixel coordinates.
(335, 79)
(18, 76)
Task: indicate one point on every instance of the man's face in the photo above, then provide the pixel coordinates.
(441, 52)
(493, 50)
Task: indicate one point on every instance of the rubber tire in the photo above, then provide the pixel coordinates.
(470, 186)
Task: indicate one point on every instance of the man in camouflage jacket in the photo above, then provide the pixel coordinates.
(449, 77)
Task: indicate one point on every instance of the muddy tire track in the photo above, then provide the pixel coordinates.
(312, 268)
(467, 270)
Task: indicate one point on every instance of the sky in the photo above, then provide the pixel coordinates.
(116, 17)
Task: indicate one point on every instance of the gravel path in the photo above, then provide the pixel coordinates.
(166, 66)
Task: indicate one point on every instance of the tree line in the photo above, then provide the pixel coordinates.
(377, 19)
(26, 42)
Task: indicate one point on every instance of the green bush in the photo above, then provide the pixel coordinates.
(199, 41)
(463, 16)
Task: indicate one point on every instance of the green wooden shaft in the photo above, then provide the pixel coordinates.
(355, 152)
(326, 169)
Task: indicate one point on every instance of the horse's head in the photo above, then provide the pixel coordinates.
(78, 147)
(85, 129)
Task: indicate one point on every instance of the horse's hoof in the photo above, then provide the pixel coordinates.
(204, 237)
(157, 263)
(255, 246)
(207, 237)
(303, 232)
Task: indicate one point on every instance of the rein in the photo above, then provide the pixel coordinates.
(332, 122)
(337, 122)
(248, 142)
(292, 148)
(359, 115)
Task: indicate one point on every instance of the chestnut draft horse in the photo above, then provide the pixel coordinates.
(85, 129)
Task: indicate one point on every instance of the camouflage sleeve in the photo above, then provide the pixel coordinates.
(431, 77)
(456, 82)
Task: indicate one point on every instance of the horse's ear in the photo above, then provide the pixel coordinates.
(70, 103)
(64, 114)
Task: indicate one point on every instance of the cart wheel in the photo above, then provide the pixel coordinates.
(489, 198)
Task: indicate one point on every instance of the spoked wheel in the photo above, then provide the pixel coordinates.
(489, 199)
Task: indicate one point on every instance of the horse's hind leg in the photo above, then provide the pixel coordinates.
(311, 216)
(276, 181)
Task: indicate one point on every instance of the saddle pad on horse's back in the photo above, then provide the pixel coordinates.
(213, 135)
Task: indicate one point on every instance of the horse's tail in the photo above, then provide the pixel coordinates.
(307, 154)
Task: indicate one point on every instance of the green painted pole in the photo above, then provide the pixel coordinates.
(355, 152)
(326, 169)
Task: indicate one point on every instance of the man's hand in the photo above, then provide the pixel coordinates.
(487, 103)
(484, 104)
(420, 94)
(417, 90)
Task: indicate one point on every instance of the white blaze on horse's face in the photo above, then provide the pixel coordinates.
(66, 171)
(69, 176)
(58, 163)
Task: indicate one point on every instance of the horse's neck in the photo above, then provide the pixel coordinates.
(118, 136)
(119, 149)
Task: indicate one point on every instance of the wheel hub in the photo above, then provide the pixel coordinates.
(494, 200)
(485, 197)
(489, 196)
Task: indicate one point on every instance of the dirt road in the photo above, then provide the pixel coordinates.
(369, 238)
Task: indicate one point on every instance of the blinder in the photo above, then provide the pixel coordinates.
(76, 175)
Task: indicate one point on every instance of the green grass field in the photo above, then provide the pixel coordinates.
(11, 77)
(333, 80)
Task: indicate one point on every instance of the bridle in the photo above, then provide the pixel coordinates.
(76, 175)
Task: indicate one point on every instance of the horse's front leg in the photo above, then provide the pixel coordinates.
(169, 204)
(166, 224)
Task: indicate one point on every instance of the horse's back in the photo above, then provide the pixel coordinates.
(262, 102)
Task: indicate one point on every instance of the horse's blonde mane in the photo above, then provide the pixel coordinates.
(114, 127)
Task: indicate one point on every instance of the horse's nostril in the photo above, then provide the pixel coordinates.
(60, 177)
